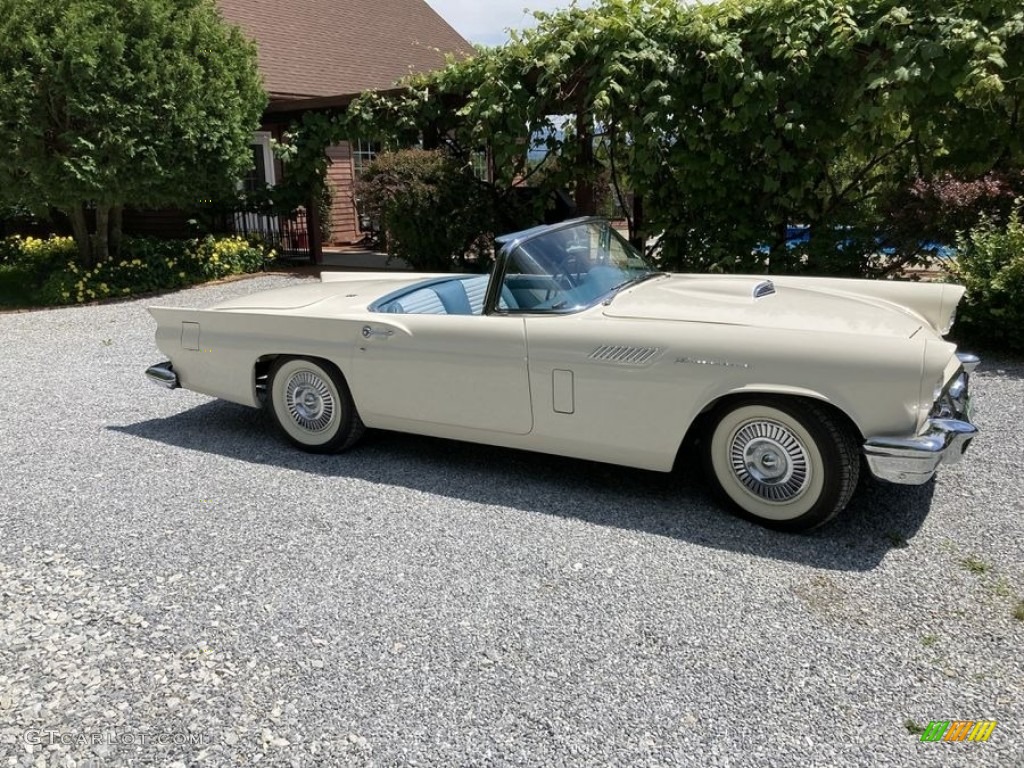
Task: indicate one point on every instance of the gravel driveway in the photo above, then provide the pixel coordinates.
(178, 587)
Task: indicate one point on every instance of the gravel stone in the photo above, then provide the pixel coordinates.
(178, 586)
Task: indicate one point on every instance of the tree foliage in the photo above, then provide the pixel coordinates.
(434, 212)
(108, 102)
(733, 120)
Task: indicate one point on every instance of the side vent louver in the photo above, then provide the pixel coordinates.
(625, 355)
(767, 288)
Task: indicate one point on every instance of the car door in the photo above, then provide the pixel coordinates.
(467, 371)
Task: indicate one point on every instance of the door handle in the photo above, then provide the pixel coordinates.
(369, 331)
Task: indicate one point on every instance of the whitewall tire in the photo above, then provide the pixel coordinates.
(786, 463)
(312, 405)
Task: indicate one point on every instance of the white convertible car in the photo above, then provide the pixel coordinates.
(573, 345)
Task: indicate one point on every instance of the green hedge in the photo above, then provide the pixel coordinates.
(990, 263)
(45, 272)
(434, 213)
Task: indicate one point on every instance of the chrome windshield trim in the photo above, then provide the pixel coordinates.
(609, 297)
(509, 243)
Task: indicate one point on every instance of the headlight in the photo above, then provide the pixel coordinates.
(952, 401)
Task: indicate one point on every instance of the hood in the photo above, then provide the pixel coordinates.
(729, 300)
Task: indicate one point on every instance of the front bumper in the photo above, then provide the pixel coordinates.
(164, 375)
(914, 460)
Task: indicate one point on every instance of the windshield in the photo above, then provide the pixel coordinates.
(570, 267)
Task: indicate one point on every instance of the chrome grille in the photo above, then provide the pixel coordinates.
(625, 355)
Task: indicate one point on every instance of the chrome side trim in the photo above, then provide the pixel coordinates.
(164, 375)
(914, 460)
(968, 361)
(625, 355)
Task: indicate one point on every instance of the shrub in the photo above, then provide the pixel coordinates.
(214, 258)
(990, 264)
(939, 208)
(35, 255)
(434, 213)
(149, 265)
(10, 252)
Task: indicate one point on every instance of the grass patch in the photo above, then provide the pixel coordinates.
(913, 728)
(1018, 612)
(929, 640)
(975, 565)
(1001, 588)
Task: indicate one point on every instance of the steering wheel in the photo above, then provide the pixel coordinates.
(574, 268)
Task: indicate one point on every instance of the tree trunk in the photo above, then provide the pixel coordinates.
(778, 252)
(586, 200)
(80, 231)
(638, 234)
(116, 229)
(101, 246)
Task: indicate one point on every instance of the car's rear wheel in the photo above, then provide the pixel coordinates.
(312, 405)
(785, 463)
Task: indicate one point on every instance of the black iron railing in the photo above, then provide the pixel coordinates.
(288, 233)
(259, 216)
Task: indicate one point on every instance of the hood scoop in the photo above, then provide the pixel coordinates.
(766, 288)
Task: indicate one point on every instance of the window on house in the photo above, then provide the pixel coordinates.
(253, 219)
(480, 165)
(363, 153)
(261, 174)
(256, 178)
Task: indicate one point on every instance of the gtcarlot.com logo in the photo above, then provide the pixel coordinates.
(39, 738)
(958, 730)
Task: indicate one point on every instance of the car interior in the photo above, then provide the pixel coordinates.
(462, 295)
(561, 270)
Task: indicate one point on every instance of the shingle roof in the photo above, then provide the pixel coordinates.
(317, 48)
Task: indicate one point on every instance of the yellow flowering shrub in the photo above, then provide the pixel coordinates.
(33, 253)
(148, 265)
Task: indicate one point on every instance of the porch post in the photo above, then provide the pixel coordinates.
(316, 245)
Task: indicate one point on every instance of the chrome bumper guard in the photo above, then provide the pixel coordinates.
(164, 375)
(914, 460)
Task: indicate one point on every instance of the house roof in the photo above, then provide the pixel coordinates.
(324, 48)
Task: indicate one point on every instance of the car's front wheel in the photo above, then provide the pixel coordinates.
(312, 405)
(785, 463)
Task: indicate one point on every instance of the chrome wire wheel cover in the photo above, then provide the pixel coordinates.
(310, 401)
(769, 461)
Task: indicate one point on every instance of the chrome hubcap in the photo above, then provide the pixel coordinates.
(309, 401)
(769, 460)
